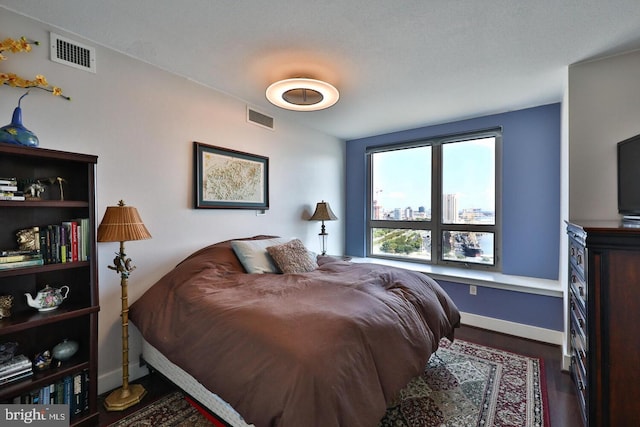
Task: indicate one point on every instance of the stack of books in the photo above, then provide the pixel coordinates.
(17, 258)
(14, 369)
(9, 189)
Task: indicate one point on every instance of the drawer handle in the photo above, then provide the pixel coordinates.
(573, 278)
(581, 290)
(581, 323)
(580, 386)
(573, 332)
(579, 257)
(573, 251)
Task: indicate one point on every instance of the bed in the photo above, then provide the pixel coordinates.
(326, 344)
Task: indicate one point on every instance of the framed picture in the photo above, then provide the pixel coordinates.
(230, 179)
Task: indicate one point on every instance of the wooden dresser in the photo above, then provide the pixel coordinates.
(604, 312)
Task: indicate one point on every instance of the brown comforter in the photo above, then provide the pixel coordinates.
(327, 348)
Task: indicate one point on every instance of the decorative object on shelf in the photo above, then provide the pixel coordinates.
(122, 224)
(6, 302)
(34, 190)
(59, 180)
(302, 94)
(15, 132)
(7, 351)
(48, 298)
(11, 79)
(28, 239)
(65, 350)
(323, 213)
(42, 360)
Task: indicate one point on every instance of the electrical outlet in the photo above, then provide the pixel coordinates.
(473, 290)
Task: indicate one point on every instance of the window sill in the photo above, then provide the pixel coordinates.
(532, 285)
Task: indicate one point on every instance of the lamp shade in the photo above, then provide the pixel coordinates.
(122, 224)
(323, 213)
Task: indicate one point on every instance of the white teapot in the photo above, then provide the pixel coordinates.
(48, 298)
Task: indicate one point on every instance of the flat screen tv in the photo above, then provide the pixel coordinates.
(629, 177)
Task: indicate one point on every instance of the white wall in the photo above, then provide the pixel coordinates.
(141, 123)
(604, 109)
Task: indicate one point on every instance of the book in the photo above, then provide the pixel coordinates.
(71, 228)
(17, 376)
(11, 188)
(11, 252)
(8, 196)
(20, 264)
(67, 391)
(8, 181)
(60, 392)
(76, 405)
(14, 364)
(14, 258)
(85, 390)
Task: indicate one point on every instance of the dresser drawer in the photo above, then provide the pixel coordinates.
(581, 385)
(578, 318)
(577, 256)
(578, 287)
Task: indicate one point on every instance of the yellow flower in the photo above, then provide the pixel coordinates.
(10, 79)
(42, 80)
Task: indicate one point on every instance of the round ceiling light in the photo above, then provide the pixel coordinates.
(301, 94)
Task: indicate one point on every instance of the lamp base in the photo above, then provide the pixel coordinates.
(121, 399)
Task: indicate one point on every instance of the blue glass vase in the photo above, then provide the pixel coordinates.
(15, 132)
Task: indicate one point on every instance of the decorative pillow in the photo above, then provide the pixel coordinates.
(253, 254)
(292, 257)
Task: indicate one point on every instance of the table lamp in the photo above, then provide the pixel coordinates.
(122, 224)
(323, 213)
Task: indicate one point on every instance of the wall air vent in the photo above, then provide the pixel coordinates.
(72, 53)
(259, 119)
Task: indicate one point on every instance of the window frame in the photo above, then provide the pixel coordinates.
(436, 225)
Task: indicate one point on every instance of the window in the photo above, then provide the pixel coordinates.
(436, 201)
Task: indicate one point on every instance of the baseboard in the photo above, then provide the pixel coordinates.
(113, 379)
(517, 329)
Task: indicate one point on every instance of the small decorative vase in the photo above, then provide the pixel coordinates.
(15, 132)
(64, 350)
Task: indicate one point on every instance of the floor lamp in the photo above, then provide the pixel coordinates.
(122, 224)
(323, 213)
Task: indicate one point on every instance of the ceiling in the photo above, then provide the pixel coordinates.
(397, 64)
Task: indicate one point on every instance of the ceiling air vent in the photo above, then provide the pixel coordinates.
(259, 119)
(72, 53)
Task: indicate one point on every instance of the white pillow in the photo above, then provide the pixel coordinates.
(253, 254)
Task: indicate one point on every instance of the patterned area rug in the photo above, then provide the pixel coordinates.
(469, 385)
(172, 410)
(463, 385)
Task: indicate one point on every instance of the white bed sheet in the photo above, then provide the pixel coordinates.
(190, 385)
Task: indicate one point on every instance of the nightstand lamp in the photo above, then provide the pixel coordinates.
(323, 213)
(122, 224)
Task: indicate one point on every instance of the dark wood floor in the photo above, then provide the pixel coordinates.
(563, 405)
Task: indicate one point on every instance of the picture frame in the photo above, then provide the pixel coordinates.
(229, 179)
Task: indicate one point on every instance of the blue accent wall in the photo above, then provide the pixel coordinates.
(530, 185)
(519, 307)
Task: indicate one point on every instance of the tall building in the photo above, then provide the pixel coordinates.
(450, 209)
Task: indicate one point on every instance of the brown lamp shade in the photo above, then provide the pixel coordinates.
(122, 224)
(323, 213)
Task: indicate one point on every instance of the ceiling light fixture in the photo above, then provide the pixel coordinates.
(302, 94)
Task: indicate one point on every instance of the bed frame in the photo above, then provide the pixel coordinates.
(191, 386)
